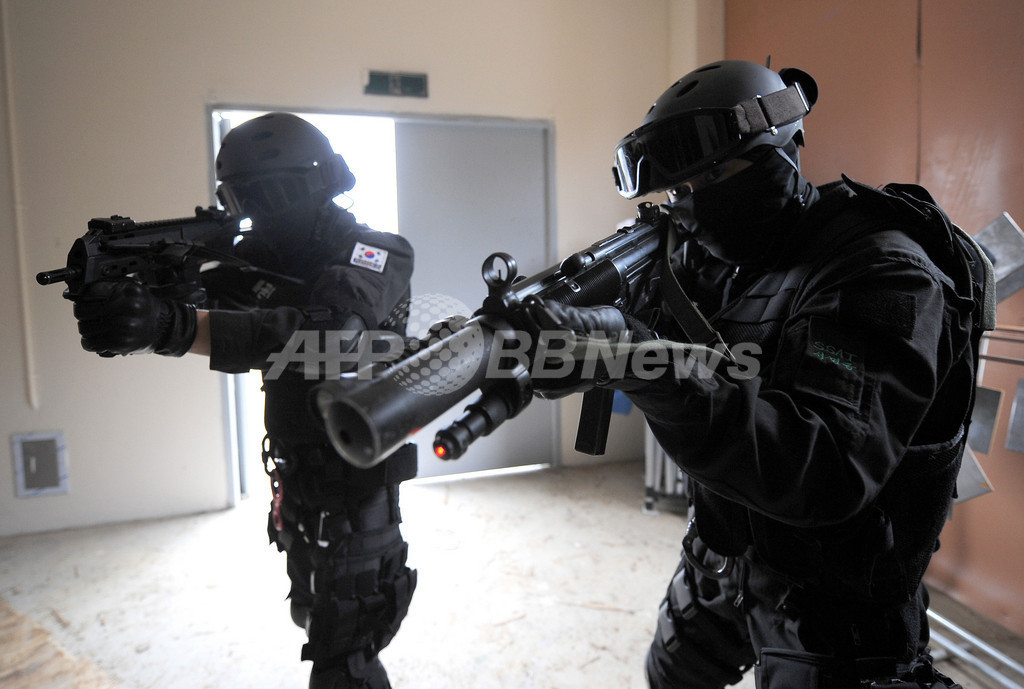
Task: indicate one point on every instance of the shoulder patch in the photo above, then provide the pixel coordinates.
(366, 256)
(882, 309)
(833, 363)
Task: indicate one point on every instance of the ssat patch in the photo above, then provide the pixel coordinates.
(370, 257)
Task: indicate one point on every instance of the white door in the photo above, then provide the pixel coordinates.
(467, 189)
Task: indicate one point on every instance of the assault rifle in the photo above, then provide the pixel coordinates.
(368, 414)
(164, 254)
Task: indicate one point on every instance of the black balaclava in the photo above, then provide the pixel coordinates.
(740, 219)
(292, 234)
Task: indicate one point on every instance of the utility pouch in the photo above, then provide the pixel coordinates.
(780, 668)
(678, 605)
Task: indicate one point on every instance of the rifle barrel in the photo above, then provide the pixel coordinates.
(48, 277)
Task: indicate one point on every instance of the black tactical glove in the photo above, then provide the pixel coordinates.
(583, 320)
(123, 317)
(556, 376)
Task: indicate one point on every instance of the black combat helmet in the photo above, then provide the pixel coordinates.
(714, 114)
(276, 163)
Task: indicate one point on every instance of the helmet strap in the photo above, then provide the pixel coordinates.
(790, 159)
(767, 113)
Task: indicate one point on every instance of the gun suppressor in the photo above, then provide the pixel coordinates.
(367, 420)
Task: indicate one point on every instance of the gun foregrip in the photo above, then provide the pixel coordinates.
(599, 285)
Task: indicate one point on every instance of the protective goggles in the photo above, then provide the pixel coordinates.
(268, 194)
(661, 154)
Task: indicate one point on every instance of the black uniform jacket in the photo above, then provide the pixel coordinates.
(352, 271)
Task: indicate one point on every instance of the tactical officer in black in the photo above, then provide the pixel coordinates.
(307, 268)
(821, 477)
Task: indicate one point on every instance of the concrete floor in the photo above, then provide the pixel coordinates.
(539, 580)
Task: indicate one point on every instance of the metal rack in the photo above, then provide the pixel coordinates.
(1003, 333)
(664, 483)
(978, 658)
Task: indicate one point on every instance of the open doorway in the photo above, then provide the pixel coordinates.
(458, 189)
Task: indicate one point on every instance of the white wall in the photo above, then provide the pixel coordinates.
(106, 101)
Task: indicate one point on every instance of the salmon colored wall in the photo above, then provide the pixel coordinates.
(972, 159)
(865, 121)
(927, 91)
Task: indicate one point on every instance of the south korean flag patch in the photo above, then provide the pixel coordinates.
(370, 257)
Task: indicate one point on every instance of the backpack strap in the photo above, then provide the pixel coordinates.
(984, 283)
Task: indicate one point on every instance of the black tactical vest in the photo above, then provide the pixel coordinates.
(888, 548)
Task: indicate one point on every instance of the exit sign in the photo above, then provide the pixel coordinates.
(396, 84)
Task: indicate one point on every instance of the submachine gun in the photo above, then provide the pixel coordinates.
(368, 414)
(166, 255)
